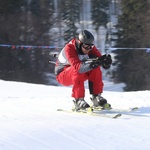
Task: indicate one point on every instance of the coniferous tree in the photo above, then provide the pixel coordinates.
(24, 23)
(42, 20)
(70, 13)
(99, 13)
(133, 65)
(10, 11)
(10, 6)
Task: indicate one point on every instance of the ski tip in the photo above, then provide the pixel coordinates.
(135, 108)
(59, 109)
(116, 116)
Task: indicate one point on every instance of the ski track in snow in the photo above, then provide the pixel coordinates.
(29, 120)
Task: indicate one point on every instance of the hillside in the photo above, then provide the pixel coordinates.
(29, 120)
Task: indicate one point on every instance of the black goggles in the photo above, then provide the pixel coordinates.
(88, 46)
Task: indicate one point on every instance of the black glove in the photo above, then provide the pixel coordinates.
(107, 61)
(94, 64)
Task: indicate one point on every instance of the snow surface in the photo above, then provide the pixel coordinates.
(29, 120)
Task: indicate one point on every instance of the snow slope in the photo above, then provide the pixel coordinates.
(29, 120)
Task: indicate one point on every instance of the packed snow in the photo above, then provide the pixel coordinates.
(29, 119)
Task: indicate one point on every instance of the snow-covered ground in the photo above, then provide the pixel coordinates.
(29, 120)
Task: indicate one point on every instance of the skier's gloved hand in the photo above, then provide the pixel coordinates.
(94, 64)
(107, 61)
(97, 62)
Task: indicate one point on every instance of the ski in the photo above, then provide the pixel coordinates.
(126, 110)
(99, 111)
(129, 111)
(92, 112)
(116, 109)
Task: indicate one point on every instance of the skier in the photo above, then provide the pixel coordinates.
(73, 68)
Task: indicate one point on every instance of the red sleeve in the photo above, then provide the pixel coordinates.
(72, 56)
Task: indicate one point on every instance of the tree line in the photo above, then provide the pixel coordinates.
(29, 22)
(133, 32)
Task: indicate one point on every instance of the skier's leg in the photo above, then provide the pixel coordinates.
(78, 90)
(65, 77)
(69, 76)
(96, 88)
(95, 81)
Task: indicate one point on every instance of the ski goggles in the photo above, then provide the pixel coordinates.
(88, 46)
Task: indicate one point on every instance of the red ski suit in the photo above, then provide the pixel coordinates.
(71, 70)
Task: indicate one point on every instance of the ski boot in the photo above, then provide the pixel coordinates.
(100, 102)
(80, 104)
